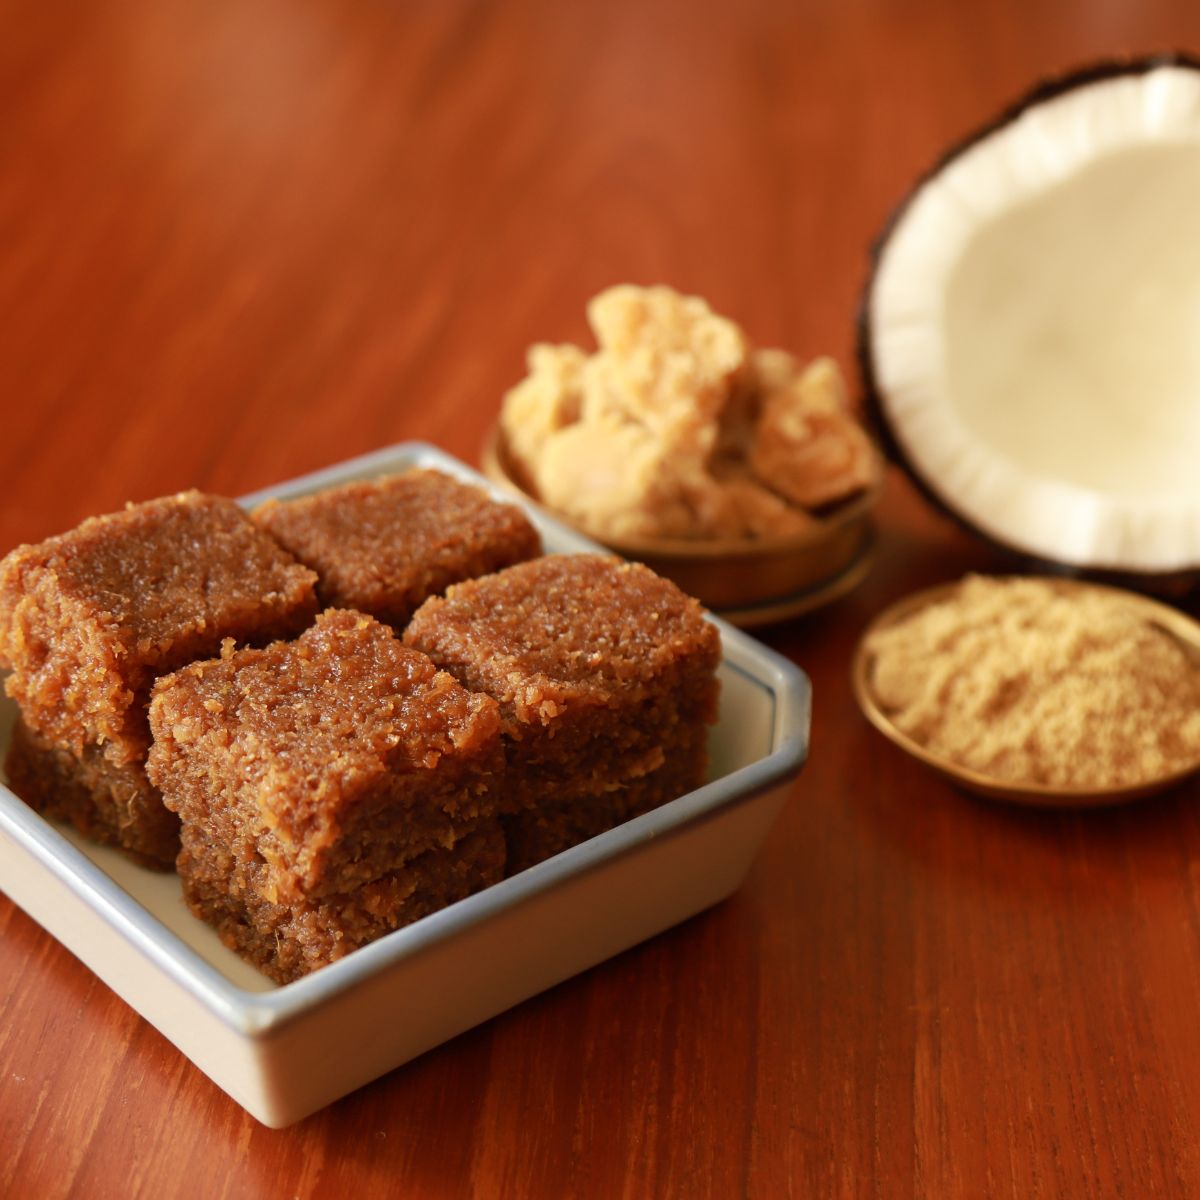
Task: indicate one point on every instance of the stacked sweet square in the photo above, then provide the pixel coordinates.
(90, 619)
(382, 546)
(331, 789)
(605, 676)
(320, 780)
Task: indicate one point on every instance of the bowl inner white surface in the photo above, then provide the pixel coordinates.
(1072, 327)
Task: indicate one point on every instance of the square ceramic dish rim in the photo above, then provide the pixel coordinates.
(258, 1015)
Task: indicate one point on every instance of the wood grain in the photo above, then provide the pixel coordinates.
(243, 241)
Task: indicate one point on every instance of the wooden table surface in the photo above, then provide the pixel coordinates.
(242, 241)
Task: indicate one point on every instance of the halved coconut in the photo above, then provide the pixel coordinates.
(1030, 336)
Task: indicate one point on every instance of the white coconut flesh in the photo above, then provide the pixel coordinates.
(1034, 327)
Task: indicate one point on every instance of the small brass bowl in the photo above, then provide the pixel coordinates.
(748, 581)
(1182, 628)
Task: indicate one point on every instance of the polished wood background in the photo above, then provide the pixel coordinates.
(241, 241)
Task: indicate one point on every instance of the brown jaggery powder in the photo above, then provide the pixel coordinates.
(1030, 683)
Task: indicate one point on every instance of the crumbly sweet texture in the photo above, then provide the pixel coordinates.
(289, 938)
(383, 546)
(557, 824)
(677, 427)
(113, 805)
(603, 672)
(1029, 683)
(331, 789)
(804, 449)
(89, 619)
(334, 759)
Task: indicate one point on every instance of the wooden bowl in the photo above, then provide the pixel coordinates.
(748, 581)
(1181, 627)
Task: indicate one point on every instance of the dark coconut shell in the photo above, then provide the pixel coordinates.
(1177, 583)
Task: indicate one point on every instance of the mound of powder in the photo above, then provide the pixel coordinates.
(1033, 683)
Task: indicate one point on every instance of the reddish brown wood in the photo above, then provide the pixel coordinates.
(242, 241)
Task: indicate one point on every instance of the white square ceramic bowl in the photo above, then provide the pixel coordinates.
(283, 1052)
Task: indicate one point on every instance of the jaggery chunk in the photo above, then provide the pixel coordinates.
(114, 805)
(383, 546)
(570, 634)
(289, 938)
(90, 618)
(676, 427)
(332, 759)
(665, 361)
(806, 448)
(556, 823)
(604, 673)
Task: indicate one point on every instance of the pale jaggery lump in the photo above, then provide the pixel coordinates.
(676, 427)
(310, 773)
(114, 805)
(89, 619)
(1029, 683)
(383, 546)
(605, 677)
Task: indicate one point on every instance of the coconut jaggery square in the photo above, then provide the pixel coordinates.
(114, 805)
(90, 618)
(382, 546)
(604, 673)
(554, 825)
(330, 761)
(289, 938)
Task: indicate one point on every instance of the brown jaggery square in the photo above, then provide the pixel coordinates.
(333, 759)
(288, 938)
(535, 834)
(90, 618)
(383, 546)
(603, 671)
(114, 805)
